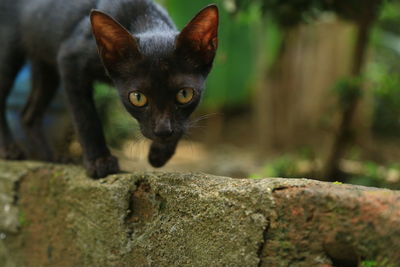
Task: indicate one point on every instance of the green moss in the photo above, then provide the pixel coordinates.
(22, 220)
(287, 246)
(373, 263)
(187, 220)
(57, 173)
(369, 264)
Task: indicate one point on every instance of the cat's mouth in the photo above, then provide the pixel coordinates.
(165, 140)
(160, 154)
(162, 148)
(174, 137)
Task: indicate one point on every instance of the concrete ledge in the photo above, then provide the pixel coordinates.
(53, 215)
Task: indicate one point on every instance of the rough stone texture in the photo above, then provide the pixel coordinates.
(53, 215)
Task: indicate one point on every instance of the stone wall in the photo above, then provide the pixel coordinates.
(53, 215)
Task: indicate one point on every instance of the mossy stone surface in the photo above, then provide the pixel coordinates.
(62, 218)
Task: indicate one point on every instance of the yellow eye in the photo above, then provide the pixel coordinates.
(138, 99)
(185, 95)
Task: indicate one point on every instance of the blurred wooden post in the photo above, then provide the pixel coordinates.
(296, 105)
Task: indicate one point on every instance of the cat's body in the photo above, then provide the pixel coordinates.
(155, 71)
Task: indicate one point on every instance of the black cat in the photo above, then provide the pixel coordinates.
(158, 72)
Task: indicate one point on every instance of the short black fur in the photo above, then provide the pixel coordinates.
(141, 50)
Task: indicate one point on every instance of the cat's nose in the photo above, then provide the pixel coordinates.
(163, 129)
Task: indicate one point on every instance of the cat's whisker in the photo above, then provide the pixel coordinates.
(142, 147)
(136, 147)
(196, 129)
(191, 144)
(131, 148)
(206, 116)
(194, 123)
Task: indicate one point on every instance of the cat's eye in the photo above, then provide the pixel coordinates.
(138, 99)
(185, 95)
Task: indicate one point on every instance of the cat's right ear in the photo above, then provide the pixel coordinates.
(115, 44)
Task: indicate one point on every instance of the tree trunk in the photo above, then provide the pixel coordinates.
(344, 133)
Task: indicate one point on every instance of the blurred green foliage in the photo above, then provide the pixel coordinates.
(389, 17)
(370, 177)
(297, 165)
(378, 176)
(284, 166)
(369, 264)
(384, 71)
(289, 13)
(386, 101)
(301, 164)
(348, 91)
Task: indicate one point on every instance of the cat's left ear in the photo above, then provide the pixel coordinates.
(200, 36)
(115, 44)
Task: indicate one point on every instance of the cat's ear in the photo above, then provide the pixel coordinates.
(115, 44)
(200, 36)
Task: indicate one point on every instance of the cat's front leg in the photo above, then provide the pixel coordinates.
(160, 153)
(78, 87)
(98, 160)
(97, 157)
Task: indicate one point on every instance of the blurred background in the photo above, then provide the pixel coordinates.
(299, 88)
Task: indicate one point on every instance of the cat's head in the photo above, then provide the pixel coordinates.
(160, 75)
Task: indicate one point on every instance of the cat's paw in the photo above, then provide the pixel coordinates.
(101, 167)
(12, 152)
(160, 153)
